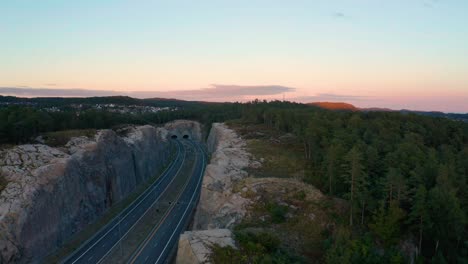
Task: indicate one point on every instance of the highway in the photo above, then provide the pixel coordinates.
(164, 237)
(160, 241)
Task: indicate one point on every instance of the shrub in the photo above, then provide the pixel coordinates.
(277, 212)
(300, 195)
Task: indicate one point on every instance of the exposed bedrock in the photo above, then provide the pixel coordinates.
(52, 193)
(220, 206)
(195, 246)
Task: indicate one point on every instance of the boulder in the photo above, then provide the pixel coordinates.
(195, 246)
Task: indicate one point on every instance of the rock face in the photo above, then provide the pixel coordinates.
(220, 206)
(54, 193)
(195, 246)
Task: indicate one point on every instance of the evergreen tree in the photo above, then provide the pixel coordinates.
(386, 223)
(419, 213)
(355, 171)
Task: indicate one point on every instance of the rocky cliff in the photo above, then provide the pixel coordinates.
(52, 193)
(220, 206)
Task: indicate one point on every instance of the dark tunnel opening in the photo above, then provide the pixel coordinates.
(186, 136)
(174, 136)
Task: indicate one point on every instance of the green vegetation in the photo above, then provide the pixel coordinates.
(60, 138)
(277, 212)
(20, 124)
(254, 247)
(403, 175)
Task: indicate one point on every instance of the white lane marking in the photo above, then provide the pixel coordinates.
(90, 258)
(147, 210)
(185, 212)
(165, 173)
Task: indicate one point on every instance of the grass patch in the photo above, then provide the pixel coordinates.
(60, 138)
(281, 154)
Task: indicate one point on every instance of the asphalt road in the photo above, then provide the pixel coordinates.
(160, 242)
(96, 248)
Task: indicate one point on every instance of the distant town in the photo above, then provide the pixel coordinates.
(113, 108)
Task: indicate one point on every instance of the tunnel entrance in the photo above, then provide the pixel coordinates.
(174, 136)
(186, 136)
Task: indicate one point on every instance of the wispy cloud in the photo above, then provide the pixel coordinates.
(429, 3)
(216, 92)
(338, 15)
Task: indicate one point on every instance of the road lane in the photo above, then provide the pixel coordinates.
(159, 243)
(107, 238)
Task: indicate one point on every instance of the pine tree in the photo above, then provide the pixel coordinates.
(355, 171)
(363, 193)
(447, 218)
(419, 214)
(331, 163)
(395, 185)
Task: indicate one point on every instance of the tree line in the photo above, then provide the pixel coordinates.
(403, 175)
(20, 124)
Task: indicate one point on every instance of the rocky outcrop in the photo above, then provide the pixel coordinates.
(220, 206)
(183, 129)
(195, 246)
(54, 193)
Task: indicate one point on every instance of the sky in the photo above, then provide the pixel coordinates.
(410, 54)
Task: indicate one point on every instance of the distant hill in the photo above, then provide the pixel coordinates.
(340, 106)
(335, 106)
(376, 109)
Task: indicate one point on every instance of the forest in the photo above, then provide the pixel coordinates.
(20, 124)
(404, 175)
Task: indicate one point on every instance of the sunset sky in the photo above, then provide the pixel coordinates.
(398, 54)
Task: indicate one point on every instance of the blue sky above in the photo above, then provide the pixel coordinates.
(404, 54)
